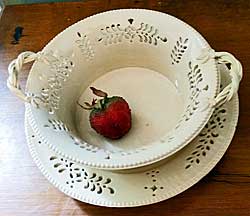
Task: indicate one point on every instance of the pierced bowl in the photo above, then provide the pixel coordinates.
(159, 64)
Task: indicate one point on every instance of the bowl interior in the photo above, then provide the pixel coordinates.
(155, 103)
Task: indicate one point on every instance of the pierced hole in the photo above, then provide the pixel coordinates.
(215, 135)
(161, 187)
(33, 136)
(39, 142)
(187, 166)
(71, 186)
(154, 180)
(130, 20)
(153, 194)
(228, 65)
(61, 170)
(57, 165)
(145, 187)
(164, 40)
(208, 148)
(197, 161)
(204, 153)
(205, 88)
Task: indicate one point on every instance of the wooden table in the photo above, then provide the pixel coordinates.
(23, 189)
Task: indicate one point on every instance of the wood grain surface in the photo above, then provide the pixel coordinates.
(23, 189)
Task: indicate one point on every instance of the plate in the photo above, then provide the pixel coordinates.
(146, 185)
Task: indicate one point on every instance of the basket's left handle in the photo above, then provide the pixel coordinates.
(13, 83)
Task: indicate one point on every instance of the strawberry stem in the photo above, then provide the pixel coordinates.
(96, 104)
(86, 108)
(98, 92)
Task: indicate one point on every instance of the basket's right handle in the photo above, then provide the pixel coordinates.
(235, 71)
(13, 83)
(236, 74)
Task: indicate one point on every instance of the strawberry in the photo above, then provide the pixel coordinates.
(109, 116)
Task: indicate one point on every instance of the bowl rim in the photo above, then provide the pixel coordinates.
(145, 161)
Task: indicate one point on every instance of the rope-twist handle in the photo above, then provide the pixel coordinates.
(235, 71)
(14, 69)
